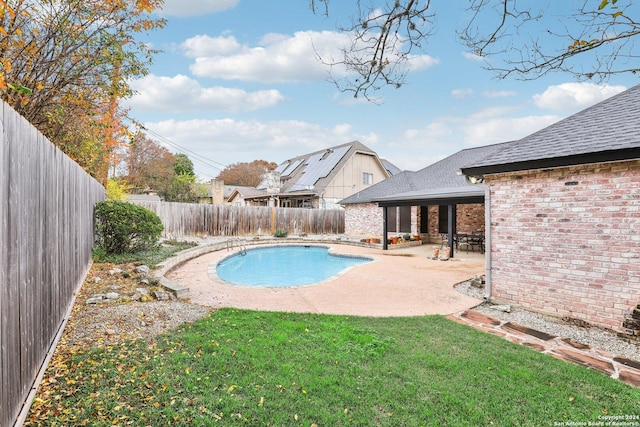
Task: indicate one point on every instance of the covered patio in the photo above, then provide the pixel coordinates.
(449, 197)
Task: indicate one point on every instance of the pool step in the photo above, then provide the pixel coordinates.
(181, 292)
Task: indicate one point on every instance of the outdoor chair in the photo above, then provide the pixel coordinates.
(476, 239)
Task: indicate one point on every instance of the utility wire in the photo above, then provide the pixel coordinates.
(204, 160)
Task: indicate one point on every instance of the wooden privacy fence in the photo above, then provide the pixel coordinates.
(46, 237)
(185, 219)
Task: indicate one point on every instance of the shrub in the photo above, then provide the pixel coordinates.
(281, 233)
(123, 227)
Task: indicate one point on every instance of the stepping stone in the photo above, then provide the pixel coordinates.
(474, 316)
(627, 362)
(585, 360)
(630, 377)
(528, 331)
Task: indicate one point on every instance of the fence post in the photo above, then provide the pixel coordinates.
(273, 221)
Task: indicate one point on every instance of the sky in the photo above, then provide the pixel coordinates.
(238, 81)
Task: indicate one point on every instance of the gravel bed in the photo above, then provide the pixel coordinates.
(591, 336)
(108, 324)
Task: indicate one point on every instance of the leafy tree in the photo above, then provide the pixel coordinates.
(246, 174)
(65, 64)
(184, 165)
(181, 189)
(151, 166)
(514, 37)
(117, 189)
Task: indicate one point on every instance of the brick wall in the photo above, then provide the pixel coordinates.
(567, 241)
(469, 218)
(363, 220)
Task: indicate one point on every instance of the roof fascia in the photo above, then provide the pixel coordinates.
(436, 200)
(556, 162)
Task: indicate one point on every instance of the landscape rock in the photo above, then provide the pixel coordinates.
(161, 295)
(112, 295)
(96, 279)
(115, 271)
(477, 281)
(142, 269)
(503, 308)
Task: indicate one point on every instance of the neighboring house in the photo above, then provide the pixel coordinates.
(565, 217)
(320, 179)
(418, 202)
(135, 198)
(244, 196)
(218, 193)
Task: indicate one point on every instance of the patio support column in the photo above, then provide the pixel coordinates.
(384, 228)
(451, 228)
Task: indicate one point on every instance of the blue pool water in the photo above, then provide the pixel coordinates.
(282, 266)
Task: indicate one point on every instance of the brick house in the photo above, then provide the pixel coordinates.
(564, 215)
(418, 203)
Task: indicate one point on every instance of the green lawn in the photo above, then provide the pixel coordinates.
(257, 368)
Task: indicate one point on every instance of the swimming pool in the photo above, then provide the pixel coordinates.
(284, 266)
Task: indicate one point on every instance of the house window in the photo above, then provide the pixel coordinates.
(367, 178)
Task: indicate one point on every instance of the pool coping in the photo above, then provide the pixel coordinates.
(396, 283)
(182, 292)
(213, 274)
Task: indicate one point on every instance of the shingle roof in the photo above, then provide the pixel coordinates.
(312, 172)
(430, 180)
(390, 167)
(607, 131)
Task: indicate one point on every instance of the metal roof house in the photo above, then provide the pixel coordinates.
(320, 179)
(563, 209)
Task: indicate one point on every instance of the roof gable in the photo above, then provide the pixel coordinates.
(312, 172)
(607, 131)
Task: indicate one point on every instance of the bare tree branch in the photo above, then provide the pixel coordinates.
(382, 42)
(599, 45)
(523, 39)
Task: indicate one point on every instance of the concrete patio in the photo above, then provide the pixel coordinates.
(399, 282)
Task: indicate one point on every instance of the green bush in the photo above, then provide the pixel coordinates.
(123, 227)
(281, 233)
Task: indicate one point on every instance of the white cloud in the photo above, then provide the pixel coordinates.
(422, 62)
(183, 8)
(181, 93)
(572, 97)
(230, 141)
(431, 132)
(461, 93)
(204, 45)
(277, 58)
(472, 56)
(503, 129)
(499, 93)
